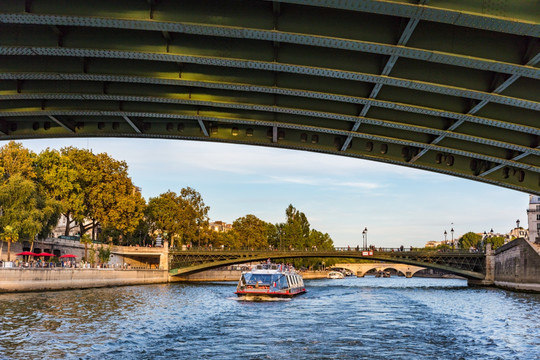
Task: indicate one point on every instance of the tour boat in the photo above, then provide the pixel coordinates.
(270, 280)
(336, 275)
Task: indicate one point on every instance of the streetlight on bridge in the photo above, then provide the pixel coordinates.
(364, 236)
(445, 234)
(452, 232)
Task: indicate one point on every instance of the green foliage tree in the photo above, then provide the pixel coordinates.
(59, 180)
(295, 231)
(104, 254)
(320, 240)
(9, 235)
(164, 214)
(251, 231)
(469, 240)
(21, 207)
(86, 240)
(195, 216)
(113, 199)
(229, 239)
(495, 241)
(183, 217)
(92, 258)
(15, 159)
(273, 233)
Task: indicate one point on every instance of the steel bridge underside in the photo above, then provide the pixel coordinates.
(468, 265)
(445, 86)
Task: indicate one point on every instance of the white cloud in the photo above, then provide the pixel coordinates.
(340, 195)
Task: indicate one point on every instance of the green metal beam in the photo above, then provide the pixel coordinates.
(450, 87)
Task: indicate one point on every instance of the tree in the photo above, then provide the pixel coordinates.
(15, 159)
(104, 254)
(320, 240)
(113, 200)
(228, 240)
(495, 241)
(92, 258)
(21, 207)
(469, 240)
(9, 235)
(164, 214)
(183, 217)
(295, 231)
(86, 239)
(195, 215)
(251, 232)
(59, 180)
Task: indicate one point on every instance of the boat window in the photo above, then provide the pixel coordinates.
(252, 279)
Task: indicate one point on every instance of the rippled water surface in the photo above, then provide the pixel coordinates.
(371, 318)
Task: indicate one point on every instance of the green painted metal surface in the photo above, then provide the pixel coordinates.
(445, 86)
(463, 263)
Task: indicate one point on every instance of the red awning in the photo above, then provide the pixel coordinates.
(24, 253)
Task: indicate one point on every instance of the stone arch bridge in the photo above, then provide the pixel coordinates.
(360, 269)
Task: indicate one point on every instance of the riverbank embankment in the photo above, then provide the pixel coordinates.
(23, 279)
(38, 279)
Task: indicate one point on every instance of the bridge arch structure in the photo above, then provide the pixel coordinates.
(445, 86)
(361, 269)
(469, 265)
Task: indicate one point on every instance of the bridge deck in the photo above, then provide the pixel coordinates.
(445, 86)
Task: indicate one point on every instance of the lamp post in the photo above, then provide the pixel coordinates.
(364, 236)
(445, 234)
(452, 232)
(517, 223)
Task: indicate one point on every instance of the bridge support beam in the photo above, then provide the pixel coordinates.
(489, 280)
(164, 258)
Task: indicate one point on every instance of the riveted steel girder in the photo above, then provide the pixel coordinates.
(450, 87)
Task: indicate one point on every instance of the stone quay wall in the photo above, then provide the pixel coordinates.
(31, 279)
(517, 266)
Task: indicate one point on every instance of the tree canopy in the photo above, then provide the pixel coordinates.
(94, 191)
(469, 240)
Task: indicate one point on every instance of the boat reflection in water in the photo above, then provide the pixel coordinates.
(268, 281)
(335, 275)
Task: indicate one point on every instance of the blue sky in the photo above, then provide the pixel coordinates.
(339, 195)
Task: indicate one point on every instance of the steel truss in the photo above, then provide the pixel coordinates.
(470, 265)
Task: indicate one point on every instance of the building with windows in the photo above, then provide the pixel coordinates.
(434, 244)
(220, 226)
(533, 215)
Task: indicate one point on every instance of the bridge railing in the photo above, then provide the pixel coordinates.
(336, 249)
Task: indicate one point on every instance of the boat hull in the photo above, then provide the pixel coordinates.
(276, 294)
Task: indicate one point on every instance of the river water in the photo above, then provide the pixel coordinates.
(353, 318)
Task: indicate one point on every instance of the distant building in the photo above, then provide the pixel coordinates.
(515, 233)
(220, 226)
(60, 229)
(434, 244)
(533, 215)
